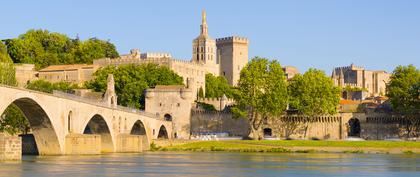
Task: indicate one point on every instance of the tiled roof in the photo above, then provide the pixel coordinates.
(169, 87)
(343, 102)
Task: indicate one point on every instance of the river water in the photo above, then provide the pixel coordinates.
(200, 164)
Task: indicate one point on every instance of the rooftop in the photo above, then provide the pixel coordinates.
(65, 67)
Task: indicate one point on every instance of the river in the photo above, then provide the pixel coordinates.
(200, 164)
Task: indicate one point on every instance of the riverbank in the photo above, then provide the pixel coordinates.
(296, 146)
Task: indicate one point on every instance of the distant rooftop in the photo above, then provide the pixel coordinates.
(65, 67)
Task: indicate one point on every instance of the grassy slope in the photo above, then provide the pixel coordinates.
(298, 146)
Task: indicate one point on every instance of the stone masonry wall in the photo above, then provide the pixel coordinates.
(10, 147)
(77, 144)
(217, 121)
(129, 143)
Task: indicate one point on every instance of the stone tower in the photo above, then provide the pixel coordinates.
(172, 103)
(341, 78)
(232, 53)
(110, 96)
(204, 48)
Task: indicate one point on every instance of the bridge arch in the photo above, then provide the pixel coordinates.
(163, 133)
(46, 138)
(139, 128)
(98, 125)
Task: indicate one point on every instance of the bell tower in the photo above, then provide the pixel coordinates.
(204, 48)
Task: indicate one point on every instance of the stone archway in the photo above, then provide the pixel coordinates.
(45, 139)
(163, 134)
(98, 125)
(354, 127)
(268, 132)
(139, 129)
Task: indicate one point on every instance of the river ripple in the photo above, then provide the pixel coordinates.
(201, 164)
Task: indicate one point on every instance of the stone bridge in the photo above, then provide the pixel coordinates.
(66, 124)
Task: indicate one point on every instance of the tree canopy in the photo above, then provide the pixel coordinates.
(314, 94)
(132, 80)
(262, 93)
(44, 48)
(216, 86)
(13, 121)
(48, 87)
(4, 56)
(404, 89)
(7, 69)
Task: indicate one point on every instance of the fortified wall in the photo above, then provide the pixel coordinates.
(203, 122)
(372, 126)
(219, 103)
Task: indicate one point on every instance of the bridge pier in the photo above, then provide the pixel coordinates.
(10, 147)
(129, 143)
(77, 144)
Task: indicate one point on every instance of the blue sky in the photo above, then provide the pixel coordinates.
(377, 34)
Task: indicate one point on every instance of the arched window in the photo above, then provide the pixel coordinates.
(167, 117)
(112, 100)
(69, 117)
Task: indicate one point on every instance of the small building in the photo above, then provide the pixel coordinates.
(290, 72)
(75, 73)
(25, 73)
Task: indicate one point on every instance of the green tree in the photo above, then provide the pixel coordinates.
(92, 49)
(7, 69)
(216, 86)
(262, 93)
(403, 90)
(313, 94)
(48, 87)
(4, 56)
(44, 48)
(132, 80)
(404, 93)
(13, 121)
(201, 93)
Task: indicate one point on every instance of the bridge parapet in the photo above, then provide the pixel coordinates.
(101, 104)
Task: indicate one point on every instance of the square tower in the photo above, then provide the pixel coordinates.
(232, 54)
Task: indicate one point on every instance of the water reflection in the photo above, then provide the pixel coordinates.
(215, 164)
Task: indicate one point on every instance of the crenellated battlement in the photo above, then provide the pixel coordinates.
(351, 67)
(205, 100)
(155, 55)
(186, 62)
(230, 39)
